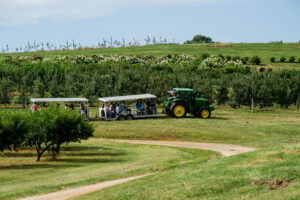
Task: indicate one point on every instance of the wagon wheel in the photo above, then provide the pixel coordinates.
(129, 117)
(122, 117)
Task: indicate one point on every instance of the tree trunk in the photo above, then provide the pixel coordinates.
(39, 155)
(53, 150)
(57, 148)
(252, 105)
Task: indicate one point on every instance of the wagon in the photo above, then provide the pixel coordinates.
(123, 108)
(63, 100)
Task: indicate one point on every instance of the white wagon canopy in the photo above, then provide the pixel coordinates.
(127, 98)
(46, 100)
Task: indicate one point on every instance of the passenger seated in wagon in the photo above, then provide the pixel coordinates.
(140, 108)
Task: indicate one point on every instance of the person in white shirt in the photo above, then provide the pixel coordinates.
(117, 109)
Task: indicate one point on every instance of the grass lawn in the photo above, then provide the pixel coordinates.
(90, 162)
(272, 172)
(261, 129)
(267, 174)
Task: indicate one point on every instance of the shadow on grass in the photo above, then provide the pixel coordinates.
(83, 148)
(90, 160)
(62, 154)
(71, 163)
(94, 154)
(34, 166)
(17, 155)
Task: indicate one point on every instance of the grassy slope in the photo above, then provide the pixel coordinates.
(226, 179)
(90, 162)
(264, 50)
(261, 129)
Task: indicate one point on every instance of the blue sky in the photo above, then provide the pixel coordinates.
(89, 21)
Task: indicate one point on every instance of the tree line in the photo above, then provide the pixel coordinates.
(46, 130)
(245, 86)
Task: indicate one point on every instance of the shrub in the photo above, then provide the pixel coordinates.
(235, 58)
(262, 69)
(13, 128)
(204, 56)
(282, 59)
(228, 57)
(298, 60)
(245, 60)
(221, 56)
(51, 127)
(199, 39)
(292, 59)
(255, 60)
(272, 59)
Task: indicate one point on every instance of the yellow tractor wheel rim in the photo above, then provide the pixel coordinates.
(179, 111)
(204, 113)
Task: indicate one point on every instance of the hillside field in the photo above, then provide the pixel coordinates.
(263, 50)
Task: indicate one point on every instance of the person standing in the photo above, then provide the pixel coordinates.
(82, 109)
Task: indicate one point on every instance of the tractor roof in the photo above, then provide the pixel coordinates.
(183, 89)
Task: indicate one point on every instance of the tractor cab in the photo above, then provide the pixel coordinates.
(183, 101)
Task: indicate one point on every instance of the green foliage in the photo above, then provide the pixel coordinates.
(199, 39)
(6, 86)
(245, 60)
(13, 127)
(117, 75)
(255, 60)
(292, 59)
(272, 59)
(282, 59)
(221, 93)
(52, 127)
(204, 56)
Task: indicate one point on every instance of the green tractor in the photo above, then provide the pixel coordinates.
(183, 101)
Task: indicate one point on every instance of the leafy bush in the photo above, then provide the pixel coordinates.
(13, 129)
(221, 56)
(292, 59)
(199, 39)
(255, 60)
(245, 60)
(282, 59)
(235, 58)
(204, 56)
(52, 127)
(272, 59)
(228, 57)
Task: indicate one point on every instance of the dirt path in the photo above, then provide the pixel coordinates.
(224, 149)
(74, 192)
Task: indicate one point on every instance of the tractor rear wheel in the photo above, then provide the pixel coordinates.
(204, 113)
(178, 110)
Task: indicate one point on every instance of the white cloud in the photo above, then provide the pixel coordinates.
(32, 11)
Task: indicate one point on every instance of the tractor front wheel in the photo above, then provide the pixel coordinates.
(205, 113)
(178, 110)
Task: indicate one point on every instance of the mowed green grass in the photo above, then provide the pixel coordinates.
(181, 173)
(90, 162)
(264, 50)
(260, 129)
(250, 176)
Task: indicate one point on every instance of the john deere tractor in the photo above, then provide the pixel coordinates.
(183, 101)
